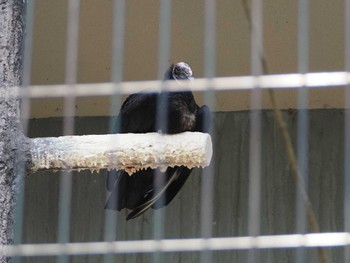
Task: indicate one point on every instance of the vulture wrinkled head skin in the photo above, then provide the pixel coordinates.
(181, 71)
(139, 113)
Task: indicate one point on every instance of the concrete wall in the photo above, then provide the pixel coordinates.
(231, 161)
(187, 44)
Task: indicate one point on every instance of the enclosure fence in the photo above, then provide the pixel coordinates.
(259, 80)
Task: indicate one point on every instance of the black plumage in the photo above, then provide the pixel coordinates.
(168, 112)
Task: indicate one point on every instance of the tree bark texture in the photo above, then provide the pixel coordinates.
(129, 152)
(11, 136)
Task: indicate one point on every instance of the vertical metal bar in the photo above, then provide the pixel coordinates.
(302, 123)
(119, 9)
(210, 39)
(27, 61)
(207, 186)
(255, 128)
(65, 190)
(347, 132)
(162, 106)
(119, 6)
(164, 37)
(25, 116)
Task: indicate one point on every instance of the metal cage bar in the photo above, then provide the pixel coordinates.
(314, 80)
(66, 180)
(254, 188)
(347, 131)
(119, 10)
(302, 122)
(207, 183)
(296, 241)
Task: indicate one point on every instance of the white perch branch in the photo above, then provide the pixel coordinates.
(129, 152)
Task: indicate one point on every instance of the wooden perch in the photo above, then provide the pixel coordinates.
(129, 152)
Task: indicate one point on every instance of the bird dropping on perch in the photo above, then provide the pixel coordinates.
(129, 152)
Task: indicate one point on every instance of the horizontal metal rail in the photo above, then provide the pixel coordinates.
(281, 81)
(180, 245)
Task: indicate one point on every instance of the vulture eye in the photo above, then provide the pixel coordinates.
(182, 71)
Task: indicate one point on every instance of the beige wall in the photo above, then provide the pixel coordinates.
(141, 43)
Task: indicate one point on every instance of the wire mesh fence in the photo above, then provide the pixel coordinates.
(277, 188)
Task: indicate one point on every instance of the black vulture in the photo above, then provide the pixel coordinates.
(142, 113)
